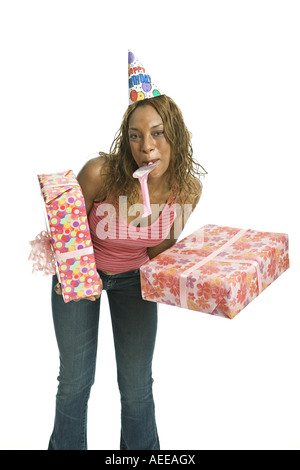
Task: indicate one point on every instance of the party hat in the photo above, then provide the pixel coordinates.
(140, 83)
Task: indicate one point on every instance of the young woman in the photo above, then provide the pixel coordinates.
(152, 130)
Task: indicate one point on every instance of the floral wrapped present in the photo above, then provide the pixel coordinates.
(216, 270)
(70, 239)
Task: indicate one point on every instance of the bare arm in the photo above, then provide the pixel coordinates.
(89, 178)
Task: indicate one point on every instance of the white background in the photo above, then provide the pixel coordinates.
(233, 68)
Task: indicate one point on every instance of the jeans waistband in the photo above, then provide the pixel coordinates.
(135, 272)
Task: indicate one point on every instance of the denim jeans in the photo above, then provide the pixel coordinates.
(134, 324)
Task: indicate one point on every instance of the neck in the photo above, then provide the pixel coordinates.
(158, 185)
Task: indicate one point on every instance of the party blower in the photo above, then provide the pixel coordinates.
(142, 175)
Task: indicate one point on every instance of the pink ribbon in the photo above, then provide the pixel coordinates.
(74, 254)
(246, 261)
(185, 274)
(58, 187)
(44, 258)
(42, 254)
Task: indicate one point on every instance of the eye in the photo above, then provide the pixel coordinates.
(133, 136)
(158, 133)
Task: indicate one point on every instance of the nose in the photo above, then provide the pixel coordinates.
(147, 144)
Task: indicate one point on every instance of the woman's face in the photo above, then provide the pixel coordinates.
(147, 140)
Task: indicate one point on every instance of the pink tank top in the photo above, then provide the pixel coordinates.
(120, 247)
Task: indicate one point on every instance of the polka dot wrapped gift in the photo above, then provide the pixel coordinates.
(70, 235)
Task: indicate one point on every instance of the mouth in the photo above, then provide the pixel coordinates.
(151, 162)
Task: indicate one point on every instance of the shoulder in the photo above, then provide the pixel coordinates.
(93, 169)
(91, 178)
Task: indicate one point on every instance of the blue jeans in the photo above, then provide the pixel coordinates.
(134, 324)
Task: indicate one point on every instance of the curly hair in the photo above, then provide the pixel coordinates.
(183, 172)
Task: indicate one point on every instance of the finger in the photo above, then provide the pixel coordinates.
(91, 297)
(58, 289)
(94, 297)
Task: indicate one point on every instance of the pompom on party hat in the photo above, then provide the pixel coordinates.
(140, 83)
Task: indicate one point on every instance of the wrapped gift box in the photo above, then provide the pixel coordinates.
(70, 235)
(216, 270)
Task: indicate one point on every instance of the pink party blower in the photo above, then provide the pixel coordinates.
(142, 175)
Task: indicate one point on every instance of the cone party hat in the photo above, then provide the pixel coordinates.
(140, 83)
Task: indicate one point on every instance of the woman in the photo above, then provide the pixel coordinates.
(152, 130)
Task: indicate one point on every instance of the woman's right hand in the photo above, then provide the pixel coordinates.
(58, 291)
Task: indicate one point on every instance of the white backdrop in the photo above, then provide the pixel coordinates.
(233, 68)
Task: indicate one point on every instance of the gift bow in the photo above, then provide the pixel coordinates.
(184, 275)
(42, 254)
(44, 257)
